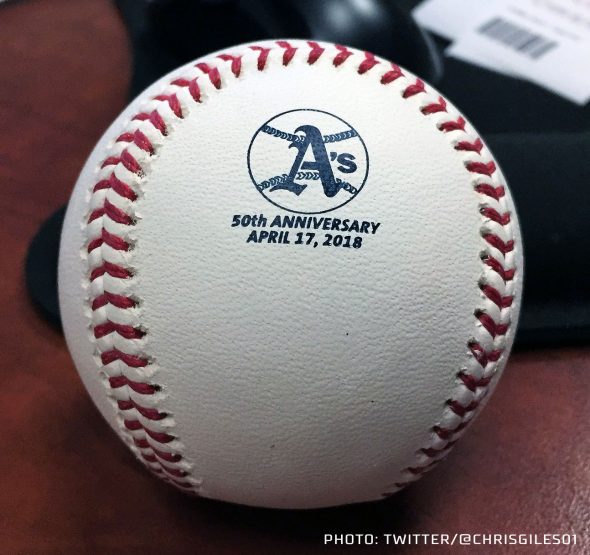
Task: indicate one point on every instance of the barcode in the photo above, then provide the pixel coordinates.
(517, 38)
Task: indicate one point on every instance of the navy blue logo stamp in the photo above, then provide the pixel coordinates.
(308, 161)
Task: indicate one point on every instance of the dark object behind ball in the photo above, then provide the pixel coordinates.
(168, 33)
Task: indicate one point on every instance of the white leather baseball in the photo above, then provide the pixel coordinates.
(317, 372)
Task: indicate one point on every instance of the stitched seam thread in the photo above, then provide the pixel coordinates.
(128, 369)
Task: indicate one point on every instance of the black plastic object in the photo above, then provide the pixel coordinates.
(549, 175)
(41, 266)
(168, 33)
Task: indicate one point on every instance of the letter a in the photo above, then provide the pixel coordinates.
(321, 163)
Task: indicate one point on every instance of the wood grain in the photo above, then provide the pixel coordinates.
(68, 485)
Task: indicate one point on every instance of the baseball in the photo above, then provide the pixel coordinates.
(290, 276)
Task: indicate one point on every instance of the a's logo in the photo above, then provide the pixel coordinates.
(308, 161)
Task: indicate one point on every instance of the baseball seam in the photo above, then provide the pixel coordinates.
(130, 372)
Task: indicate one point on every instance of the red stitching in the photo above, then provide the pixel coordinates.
(114, 183)
(110, 161)
(212, 73)
(368, 63)
(160, 437)
(342, 56)
(236, 63)
(164, 455)
(414, 89)
(193, 87)
(471, 382)
(495, 329)
(155, 119)
(112, 212)
(435, 107)
(149, 413)
(288, 53)
(474, 146)
(492, 327)
(180, 82)
(484, 357)
(128, 332)
(315, 52)
(483, 168)
(505, 274)
(490, 191)
(262, 56)
(495, 296)
(137, 138)
(113, 355)
(116, 300)
(394, 73)
(113, 241)
(95, 243)
(479, 353)
(95, 214)
(446, 433)
(497, 243)
(143, 388)
(494, 215)
(457, 125)
(173, 102)
(119, 243)
(149, 458)
(112, 270)
(461, 410)
(170, 457)
(133, 425)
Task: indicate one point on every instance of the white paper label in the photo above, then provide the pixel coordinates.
(544, 41)
(451, 18)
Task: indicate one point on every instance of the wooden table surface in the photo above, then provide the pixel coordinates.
(68, 485)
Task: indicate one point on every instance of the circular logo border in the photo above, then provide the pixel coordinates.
(307, 110)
